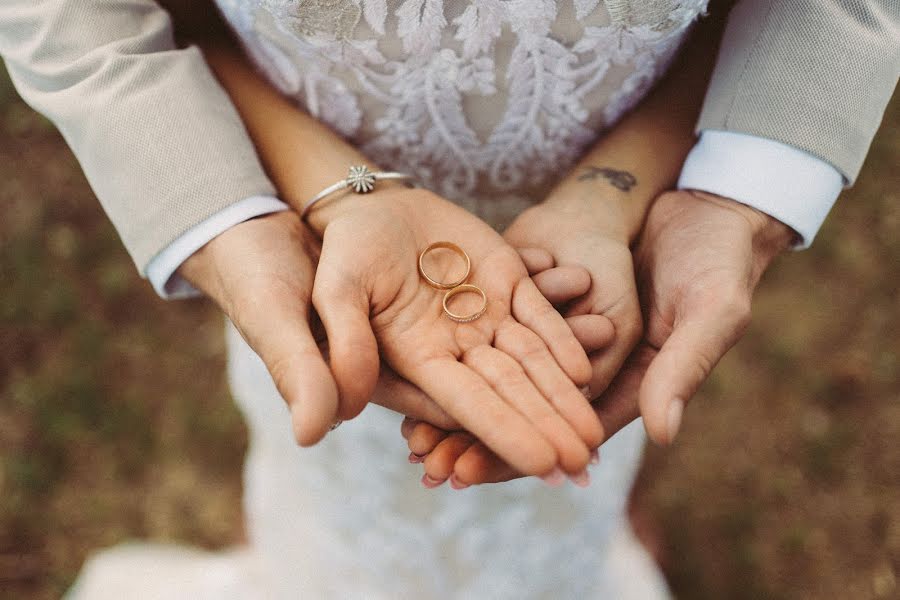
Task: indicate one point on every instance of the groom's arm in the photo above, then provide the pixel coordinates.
(797, 94)
(158, 139)
(796, 97)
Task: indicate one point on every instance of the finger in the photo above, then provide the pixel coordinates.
(536, 259)
(479, 465)
(563, 284)
(684, 362)
(344, 310)
(618, 405)
(476, 406)
(627, 327)
(396, 394)
(424, 438)
(593, 332)
(279, 332)
(509, 380)
(532, 310)
(440, 461)
(407, 427)
(525, 347)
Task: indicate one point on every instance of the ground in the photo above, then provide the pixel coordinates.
(115, 420)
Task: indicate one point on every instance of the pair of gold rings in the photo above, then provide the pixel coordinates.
(454, 287)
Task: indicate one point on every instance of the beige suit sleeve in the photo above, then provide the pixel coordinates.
(813, 74)
(159, 140)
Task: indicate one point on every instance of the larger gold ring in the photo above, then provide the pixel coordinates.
(461, 289)
(439, 284)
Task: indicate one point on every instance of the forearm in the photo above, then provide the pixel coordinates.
(301, 155)
(641, 156)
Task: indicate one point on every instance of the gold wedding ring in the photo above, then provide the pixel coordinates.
(462, 289)
(439, 284)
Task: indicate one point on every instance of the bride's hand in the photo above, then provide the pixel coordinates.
(510, 377)
(593, 240)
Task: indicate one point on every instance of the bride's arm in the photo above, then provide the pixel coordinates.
(642, 155)
(301, 155)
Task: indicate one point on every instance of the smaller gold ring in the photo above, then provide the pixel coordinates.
(449, 246)
(460, 289)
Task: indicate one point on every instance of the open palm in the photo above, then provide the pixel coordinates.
(511, 377)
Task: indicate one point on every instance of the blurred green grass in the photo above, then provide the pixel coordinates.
(115, 421)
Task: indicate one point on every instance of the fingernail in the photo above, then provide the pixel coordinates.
(676, 409)
(555, 478)
(456, 484)
(415, 458)
(431, 483)
(582, 479)
(595, 456)
(586, 392)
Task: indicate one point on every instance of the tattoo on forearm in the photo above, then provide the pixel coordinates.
(622, 180)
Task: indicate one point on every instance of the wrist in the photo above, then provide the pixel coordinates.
(212, 267)
(346, 202)
(770, 236)
(606, 214)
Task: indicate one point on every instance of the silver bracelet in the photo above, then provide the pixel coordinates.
(360, 180)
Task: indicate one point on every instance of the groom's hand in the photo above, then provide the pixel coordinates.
(699, 259)
(260, 273)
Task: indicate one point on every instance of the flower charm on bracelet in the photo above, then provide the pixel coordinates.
(361, 179)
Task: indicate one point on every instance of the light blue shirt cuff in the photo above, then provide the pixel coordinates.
(784, 182)
(162, 269)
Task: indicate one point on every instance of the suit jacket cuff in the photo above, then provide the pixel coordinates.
(788, 184)
(161, 270)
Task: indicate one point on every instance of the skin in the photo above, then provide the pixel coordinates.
(698, 262)
(515, 365)
(519, 364)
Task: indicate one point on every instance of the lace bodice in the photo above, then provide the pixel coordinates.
(474, 98)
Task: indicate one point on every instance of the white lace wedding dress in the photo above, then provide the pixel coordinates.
(485, 101)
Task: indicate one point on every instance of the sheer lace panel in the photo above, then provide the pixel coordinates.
(475, 98)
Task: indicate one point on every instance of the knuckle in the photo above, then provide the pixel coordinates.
(477, 355)
(544, 311)
(703, 366)
(530, 347)
(280, 370)
(547, 422)
(630, 332)
(540, 461)
(735, 303)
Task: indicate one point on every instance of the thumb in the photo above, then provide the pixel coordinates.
(684, 362)
(279, 332)
(344, 310)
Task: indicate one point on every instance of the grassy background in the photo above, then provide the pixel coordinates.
(115, 421)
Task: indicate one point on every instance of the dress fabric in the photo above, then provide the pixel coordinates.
(484, 101)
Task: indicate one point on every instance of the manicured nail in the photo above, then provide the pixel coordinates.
(676, 409)
(586, 392)
(595, 456)
(582, 479)
(431, 483)
(415, 458)
(555, 478)
(456, 484)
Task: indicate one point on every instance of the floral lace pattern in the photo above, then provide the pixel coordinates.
(407, 80)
